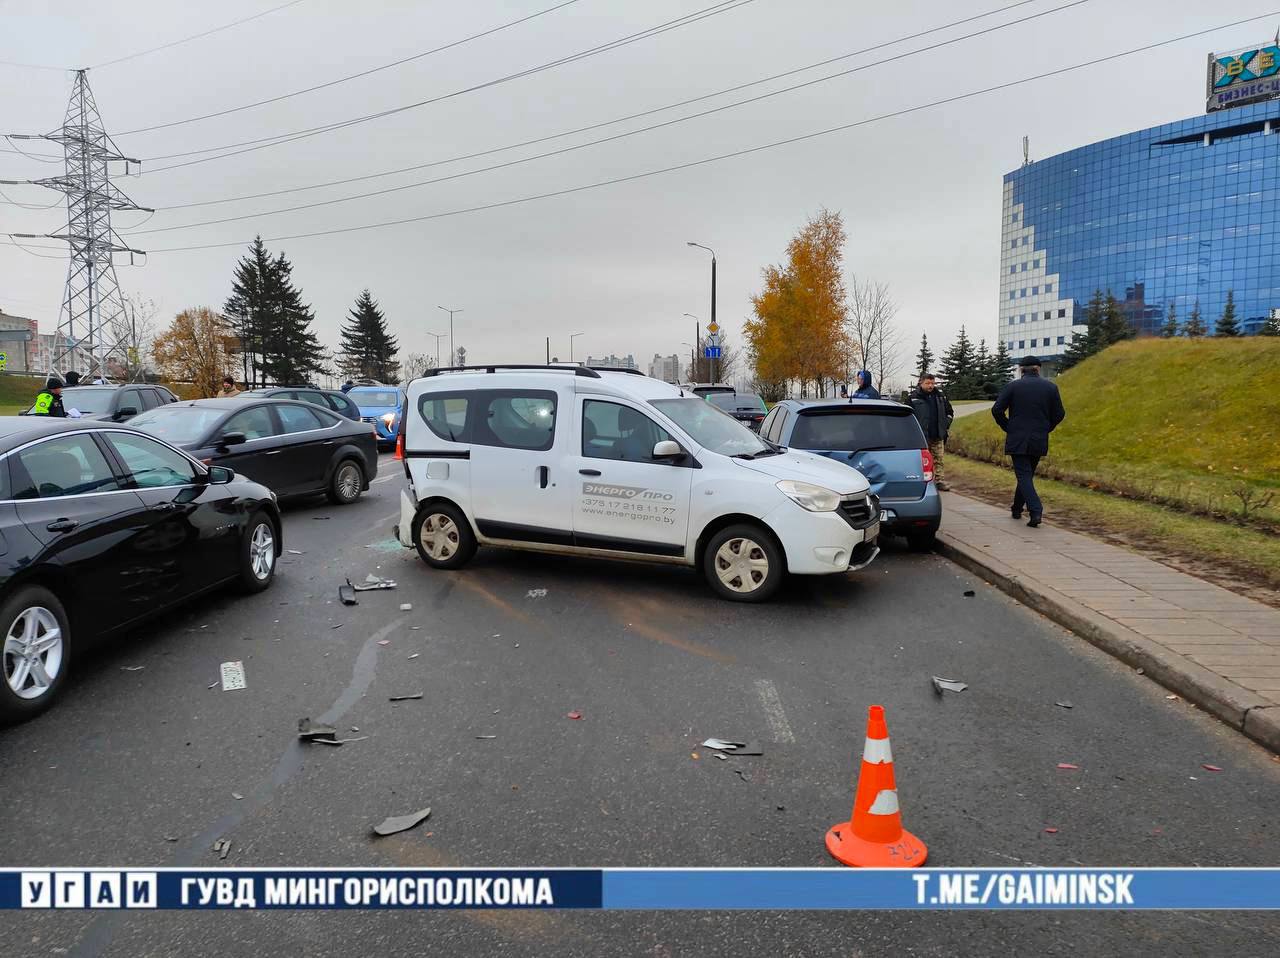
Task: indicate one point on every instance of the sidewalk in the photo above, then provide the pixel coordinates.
(1216, 649)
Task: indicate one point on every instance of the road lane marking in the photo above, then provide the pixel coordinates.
(384, 479)
(773, 713)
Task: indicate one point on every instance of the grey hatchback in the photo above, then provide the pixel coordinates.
(879, 438)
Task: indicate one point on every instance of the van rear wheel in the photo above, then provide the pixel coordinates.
(443, 536)
(743, 564)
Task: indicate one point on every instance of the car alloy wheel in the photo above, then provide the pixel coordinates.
(741, 565)
(262, 551)
(32, 653)
(439, 536)
(348, 481)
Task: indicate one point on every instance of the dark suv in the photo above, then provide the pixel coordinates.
(879, 438)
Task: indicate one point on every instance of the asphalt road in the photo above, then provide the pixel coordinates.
(142, 767)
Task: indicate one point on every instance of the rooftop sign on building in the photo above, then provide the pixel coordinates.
(1243, 76)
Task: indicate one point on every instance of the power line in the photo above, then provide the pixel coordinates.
(736, 153)
(596, 126)
(353, 76)
(262, 143)
(623, 135)
(197, 36)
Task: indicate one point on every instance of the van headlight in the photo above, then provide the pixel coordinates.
(388, 418)
(808, 496)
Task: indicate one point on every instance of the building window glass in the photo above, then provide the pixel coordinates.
(1061, 340)
(1022, 343)
(1048, 287)
(1062, 313)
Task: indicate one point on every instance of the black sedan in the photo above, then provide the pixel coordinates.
(324, 398)
(102, 526)
(292, 448)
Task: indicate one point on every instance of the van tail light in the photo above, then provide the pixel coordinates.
(400, 446)
(926, 464)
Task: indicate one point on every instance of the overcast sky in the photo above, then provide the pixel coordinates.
(920, 193)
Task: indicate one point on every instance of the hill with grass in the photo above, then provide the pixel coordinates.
(1189, 423)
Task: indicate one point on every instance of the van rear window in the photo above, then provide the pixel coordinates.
(851, 429)
(446, 416)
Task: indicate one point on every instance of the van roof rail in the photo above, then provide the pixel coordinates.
(494, 367)
(618, 369)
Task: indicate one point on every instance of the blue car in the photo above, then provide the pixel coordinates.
(382, 406)
(879, 438)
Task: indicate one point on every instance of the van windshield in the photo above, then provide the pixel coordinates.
(711, 428)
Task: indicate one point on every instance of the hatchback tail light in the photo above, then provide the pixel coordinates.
(926, 464)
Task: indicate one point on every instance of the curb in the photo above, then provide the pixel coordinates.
(1243, 710)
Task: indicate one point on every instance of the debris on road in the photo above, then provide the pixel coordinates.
(733, 748)
(486, 736)
(294, 552)
(338, 626)
(969, 593)
(232, 676)
(415, 655)
(171, 838)
(406, 606)
(132, 668)
(347, 593)
(1211, 768)
(404, 698)
(214, 685)
(722, 756)
(401, 823)
(237, 796)
(1064, 705)
(741, 774)
(536, 594)
(373, 583)
(1067, 765)
(222, 846)
(338, 741)
(950, 685)
(575, 715)
(319, 517)
(1172, 698)
(384, 641)
(1051, 831)
(310, 731)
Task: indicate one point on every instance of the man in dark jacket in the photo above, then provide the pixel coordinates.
(1028, 409)
(934, 413)
(49, 399)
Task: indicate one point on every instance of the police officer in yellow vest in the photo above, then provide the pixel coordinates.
(49, 401)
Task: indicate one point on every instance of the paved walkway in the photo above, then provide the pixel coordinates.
(1220, 650)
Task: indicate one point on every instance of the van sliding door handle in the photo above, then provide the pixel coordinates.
(588, 472)
(543, 475)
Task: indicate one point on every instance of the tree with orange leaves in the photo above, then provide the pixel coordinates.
(197, 348)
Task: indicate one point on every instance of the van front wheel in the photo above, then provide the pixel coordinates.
(743, 564)
(443, 537)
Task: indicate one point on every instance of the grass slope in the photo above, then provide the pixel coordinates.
(18, 393)
(1187, 422)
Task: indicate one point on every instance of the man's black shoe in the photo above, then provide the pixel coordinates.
(1016, 513)
(1033, 521)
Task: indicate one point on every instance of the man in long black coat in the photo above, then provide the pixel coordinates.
(1028, 409)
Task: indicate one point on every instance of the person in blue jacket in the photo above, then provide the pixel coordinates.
(865, 390)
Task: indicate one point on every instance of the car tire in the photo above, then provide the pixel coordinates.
(744, 563)
(259, 552)
(39, 607)
(443, 536)
(922, 540)
(346, 483)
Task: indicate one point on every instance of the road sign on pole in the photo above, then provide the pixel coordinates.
(711, 352)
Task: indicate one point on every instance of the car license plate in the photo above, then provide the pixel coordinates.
(871, 532)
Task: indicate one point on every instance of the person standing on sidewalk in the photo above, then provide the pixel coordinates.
(865, 390)
(934, 413)
(1027, 410)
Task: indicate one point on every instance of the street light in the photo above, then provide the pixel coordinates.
(713, 297)
(697, 340)
(438, 337)
(572, 337)
(450, 312)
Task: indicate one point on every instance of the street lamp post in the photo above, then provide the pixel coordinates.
(438, 337)
(572, 337)
(713, 298)
(697, 345)
(450, 312)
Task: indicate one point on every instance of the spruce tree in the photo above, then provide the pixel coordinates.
(957, 370)
(1001, 366)
(1227, 325)
(1194, 327)
(1170, 327)
(247, 309)
(1083, 345)
(924, 359)
(982, 371)
(1115, 326)
(291, 351)
(367, 348)
(1272, 326)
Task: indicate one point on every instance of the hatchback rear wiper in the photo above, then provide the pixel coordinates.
(870, 449)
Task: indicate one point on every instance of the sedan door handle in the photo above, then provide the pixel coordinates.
(273, 452)
(164, 507)
(588, 472)
(62, 525)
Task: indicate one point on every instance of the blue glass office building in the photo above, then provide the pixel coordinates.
(1170, 216)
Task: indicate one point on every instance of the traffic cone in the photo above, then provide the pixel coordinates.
(874, 836)
(400, 446)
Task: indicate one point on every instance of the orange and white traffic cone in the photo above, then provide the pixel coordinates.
(874, 836)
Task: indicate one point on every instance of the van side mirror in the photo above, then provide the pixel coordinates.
(667, 449)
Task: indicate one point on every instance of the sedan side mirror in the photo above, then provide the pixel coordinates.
(126, 412)
(667, 449)
(231, 439)
(220, 475)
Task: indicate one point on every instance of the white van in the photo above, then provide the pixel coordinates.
(617, 465)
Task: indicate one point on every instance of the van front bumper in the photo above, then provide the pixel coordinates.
(824, 543)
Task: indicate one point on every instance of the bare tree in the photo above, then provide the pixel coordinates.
(413, 365)
(725, 367)
(869, 323)
(888, 358)
(134, 331)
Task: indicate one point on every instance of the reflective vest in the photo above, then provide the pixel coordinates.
(43, 403)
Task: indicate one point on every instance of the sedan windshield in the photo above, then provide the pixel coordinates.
(711, 428)
(385, 397)
(181, 425)
(90, 400)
